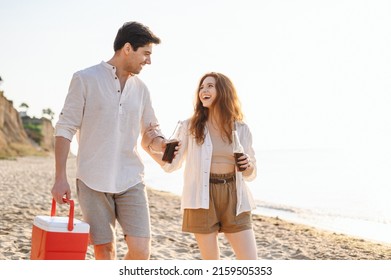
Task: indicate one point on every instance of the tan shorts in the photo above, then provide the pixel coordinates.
(221, 215)
(101, 210)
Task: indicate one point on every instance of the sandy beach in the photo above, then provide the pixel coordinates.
(25, 185)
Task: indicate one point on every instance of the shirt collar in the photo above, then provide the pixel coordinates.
(108, 66)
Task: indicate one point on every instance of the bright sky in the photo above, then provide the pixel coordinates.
(310, 74)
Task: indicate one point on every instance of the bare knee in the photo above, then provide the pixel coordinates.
(139, 248)
(105, 251)
(138, 254)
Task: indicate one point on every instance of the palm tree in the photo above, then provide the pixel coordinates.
(48, 113)
(24, 107)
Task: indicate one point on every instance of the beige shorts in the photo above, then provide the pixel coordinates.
(101, 210)
(221, 215)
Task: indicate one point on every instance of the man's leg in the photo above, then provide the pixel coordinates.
(105, 251)
(98, 212)
(133, 215)
(139, 248)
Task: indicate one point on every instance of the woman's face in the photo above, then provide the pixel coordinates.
(207, 93)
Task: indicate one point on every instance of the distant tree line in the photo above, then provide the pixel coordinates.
(46, 113)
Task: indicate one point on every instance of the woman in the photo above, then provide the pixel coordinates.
(215, 196)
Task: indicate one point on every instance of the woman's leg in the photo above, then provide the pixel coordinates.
(243, 243)
(208, 245)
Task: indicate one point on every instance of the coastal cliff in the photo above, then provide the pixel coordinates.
(15, 139)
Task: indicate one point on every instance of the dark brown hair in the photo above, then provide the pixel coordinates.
(136, 34)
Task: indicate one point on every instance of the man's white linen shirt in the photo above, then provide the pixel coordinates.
(198, 159)
(108, 123)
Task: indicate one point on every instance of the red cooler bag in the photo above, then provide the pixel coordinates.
(59, 238)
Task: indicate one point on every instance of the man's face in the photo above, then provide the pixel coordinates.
(137, 59)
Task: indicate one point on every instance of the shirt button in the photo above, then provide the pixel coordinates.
(118, 90)
(116, 78)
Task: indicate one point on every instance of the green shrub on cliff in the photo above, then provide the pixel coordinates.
(33, 130)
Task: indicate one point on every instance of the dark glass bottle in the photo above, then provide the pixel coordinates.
(237, 149)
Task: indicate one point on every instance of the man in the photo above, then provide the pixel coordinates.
(109, 106)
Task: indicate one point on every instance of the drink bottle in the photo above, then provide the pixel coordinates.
(237, 149)
(173, 141)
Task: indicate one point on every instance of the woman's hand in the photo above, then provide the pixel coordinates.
(245, 163)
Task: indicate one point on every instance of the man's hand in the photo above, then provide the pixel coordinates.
(60, 189)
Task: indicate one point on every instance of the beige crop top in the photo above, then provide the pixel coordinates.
(222, 149)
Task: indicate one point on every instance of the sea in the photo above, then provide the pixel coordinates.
(341, 190)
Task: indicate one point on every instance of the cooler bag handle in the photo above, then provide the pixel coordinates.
(71, 211)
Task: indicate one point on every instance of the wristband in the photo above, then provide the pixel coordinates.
(151, 149)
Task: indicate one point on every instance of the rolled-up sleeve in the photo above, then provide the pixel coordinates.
(72, 113)
(247, 142)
